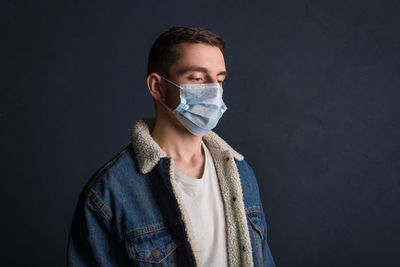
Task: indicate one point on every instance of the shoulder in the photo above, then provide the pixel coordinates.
(246, 172)
(121, 164)
(249, 183)
(108, 183)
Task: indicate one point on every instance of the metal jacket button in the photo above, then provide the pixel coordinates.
(155, 253)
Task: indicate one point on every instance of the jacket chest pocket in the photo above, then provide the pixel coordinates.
(155, 248)
(256, 229)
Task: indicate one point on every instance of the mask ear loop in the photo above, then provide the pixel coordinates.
(161, 102)
(171, 82)
(168, 108)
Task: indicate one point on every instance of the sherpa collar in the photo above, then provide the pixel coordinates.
(148, 152)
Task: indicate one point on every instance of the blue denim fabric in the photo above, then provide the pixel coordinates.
(125, 218)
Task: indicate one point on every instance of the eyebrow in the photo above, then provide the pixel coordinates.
(199, 69)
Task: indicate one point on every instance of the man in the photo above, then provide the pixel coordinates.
(178, 194)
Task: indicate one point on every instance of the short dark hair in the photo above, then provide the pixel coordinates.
(162, 53)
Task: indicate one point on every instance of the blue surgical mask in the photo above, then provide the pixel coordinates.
(201, 106)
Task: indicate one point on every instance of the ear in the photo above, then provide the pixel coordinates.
(154, 85)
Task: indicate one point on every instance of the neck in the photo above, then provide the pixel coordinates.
(175, 140)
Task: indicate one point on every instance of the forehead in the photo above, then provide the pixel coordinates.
(201, 55)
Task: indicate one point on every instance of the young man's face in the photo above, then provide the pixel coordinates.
(198, 63)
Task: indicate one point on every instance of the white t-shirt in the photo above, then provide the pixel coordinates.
(203, 203)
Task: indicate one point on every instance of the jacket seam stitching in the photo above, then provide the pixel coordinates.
(144, 230)
(252, 210)
(99, 205)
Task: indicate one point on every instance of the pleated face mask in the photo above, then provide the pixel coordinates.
(201, 106)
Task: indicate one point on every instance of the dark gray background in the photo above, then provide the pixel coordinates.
(312, 92)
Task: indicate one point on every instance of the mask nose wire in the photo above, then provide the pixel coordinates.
(220, 86)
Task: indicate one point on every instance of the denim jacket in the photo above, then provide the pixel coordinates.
(131, 214)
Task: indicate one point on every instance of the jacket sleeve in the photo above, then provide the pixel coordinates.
(268, 260)
(267, 255)
(91, 241)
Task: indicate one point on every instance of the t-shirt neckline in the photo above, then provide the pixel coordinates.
(192, 180)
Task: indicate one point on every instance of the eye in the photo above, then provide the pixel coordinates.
(196, 79)
(221, 79)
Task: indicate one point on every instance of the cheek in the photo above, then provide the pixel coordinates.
(173, 98)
